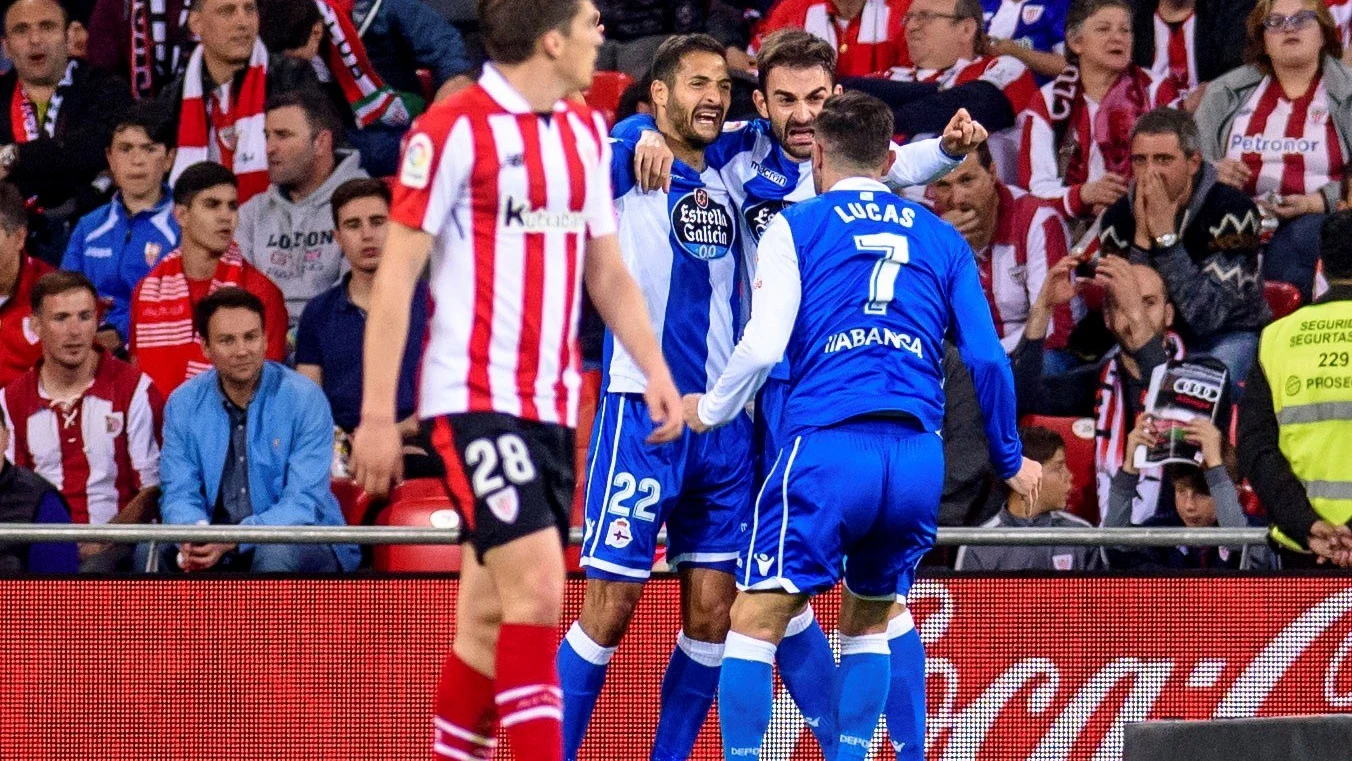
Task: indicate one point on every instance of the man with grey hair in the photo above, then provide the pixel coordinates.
(1201, 235)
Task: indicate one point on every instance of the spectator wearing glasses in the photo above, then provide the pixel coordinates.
(1280, 128)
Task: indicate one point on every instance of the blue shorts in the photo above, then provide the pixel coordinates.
(769, 425)
(698, 486)
(859, 499)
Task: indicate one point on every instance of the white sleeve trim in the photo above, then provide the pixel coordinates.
(775, 297)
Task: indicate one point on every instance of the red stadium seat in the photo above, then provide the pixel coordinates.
(352, 498)
(1079, 436)
(605, 91)
(1284, 298)
(418, 502)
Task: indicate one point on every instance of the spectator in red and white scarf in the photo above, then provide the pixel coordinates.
(20, 346)
(1138, 314)
(1077, 136)
(56, 115)
(218, 100)
(163, 342)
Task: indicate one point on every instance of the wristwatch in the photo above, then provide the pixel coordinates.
(9, 156)
(1167, 240)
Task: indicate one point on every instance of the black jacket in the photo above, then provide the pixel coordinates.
(631, 19)
(1212, 274)
(1219, 45)
(56, 168)
(22, 493)
(284, 74)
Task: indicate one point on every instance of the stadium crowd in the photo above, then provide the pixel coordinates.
(192, 212)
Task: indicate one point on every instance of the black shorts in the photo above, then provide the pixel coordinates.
(508, 477)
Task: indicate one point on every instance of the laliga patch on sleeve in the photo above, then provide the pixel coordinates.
(416, 170)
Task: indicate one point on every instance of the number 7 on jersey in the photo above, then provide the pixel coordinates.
(895, 251)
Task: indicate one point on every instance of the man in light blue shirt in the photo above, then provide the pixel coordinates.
(248, 442)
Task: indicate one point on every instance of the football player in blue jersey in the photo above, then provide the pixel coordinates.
(765, 164)
(680, 246)
(860, 287)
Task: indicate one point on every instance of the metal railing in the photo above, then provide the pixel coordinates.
(132, 533)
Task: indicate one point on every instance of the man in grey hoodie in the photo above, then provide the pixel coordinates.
(287, 232)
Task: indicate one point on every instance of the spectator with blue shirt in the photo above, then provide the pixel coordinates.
(248, 443)
(26, 498)
(329, 340)
(1033, 31)
(117, 244)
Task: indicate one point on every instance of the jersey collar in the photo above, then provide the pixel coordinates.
(859, 183)
(500, 90)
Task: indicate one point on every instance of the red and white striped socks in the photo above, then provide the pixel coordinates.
(528, 696)
(525, 698)
(466, 721)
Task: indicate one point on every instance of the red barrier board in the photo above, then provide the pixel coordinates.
(1020, 668)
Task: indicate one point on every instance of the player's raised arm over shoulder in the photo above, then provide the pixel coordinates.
(775, 298)
(924, 161)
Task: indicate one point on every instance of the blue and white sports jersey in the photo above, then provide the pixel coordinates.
(681, 249)
(859, 288)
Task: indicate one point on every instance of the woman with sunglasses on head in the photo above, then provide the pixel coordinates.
(1280, 128)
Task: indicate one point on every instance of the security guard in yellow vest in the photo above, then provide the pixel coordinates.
(1295, 424)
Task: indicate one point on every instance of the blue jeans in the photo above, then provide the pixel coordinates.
(1236, 350)
(262, 558)
(1293, 252)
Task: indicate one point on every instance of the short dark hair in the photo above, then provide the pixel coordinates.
(59, 282)
(510, 28)
(152, 117)
(4, 14)
(318, 110)
(1040, 444)
(286, 24)
(1255, 42)
(200, 177)
(1335, 245)
(229, 297)
(13, 208)
(668, 57)
(984, 156)
(793, 49)
(855, 128)
(1170, 121)
(358, 187)
(640, 91)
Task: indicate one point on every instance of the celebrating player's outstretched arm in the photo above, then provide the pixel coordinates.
(620, 303)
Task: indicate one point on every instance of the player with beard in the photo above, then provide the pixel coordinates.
(699, 486)
(765, 164)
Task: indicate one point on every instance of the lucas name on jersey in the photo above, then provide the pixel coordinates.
(857, 337)
(853, 211)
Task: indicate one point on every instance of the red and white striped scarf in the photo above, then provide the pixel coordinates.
(371, 99)
(236, 128)
(23, 114)
(168, 349)
(1111, 427)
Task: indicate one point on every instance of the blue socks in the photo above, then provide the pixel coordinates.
(688, 690)
(806, 664)
(861, 691)
(745, 695)
(906, 696)
(582, 671)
